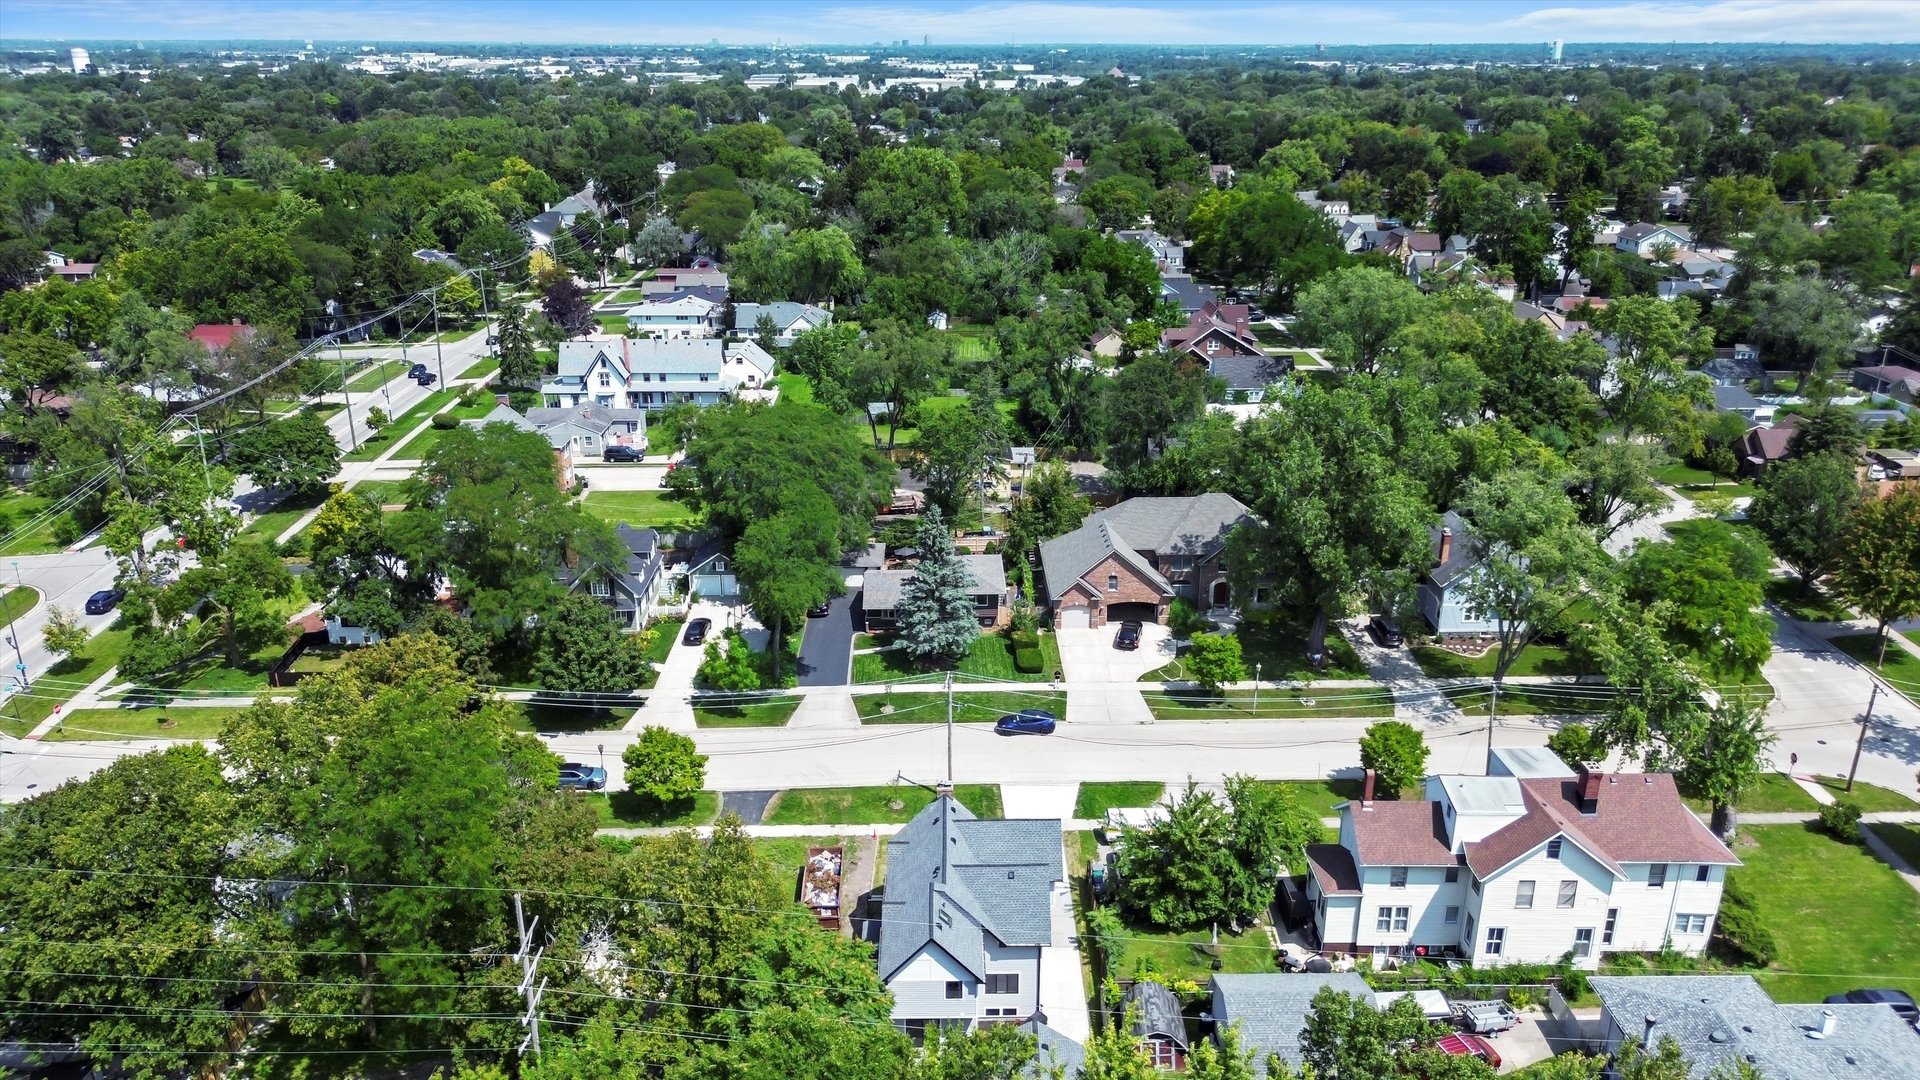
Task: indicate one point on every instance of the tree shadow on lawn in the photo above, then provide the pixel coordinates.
(551, 714)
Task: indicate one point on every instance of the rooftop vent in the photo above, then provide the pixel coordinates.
(1829, 1023)
(1720, 1035)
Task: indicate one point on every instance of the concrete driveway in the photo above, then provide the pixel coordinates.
(1088, 656)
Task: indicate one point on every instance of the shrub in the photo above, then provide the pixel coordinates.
(1024, 639)
(1842, 819)
(1184, 621)
(444, 421)
(1028, 661)
(66, 530)
(1741, 930)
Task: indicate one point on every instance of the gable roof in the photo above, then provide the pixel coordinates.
(1735, 399)
(1460, 557)
(1332, 866)
(586, 415)
(1401, 833)
(1248, 372)
(1638, 818)
(1190, 525)
(881, 589)
(217, 336)
(1066, 559)
(1272, 1008)
(951, 876)
(1722, 1018)
(1051, 1049)
(503, 414)
(783, 312)
(640, 569)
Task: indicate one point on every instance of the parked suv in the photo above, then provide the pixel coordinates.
(1129, 636)
(105, 600)
(416, 371)
(1386, 632)
(622, 453)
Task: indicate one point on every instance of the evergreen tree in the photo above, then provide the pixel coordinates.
(936, 620)
(519, 363)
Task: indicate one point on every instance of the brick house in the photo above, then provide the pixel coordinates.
(1129, 561)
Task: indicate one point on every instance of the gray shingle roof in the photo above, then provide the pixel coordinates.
(952, 876)
(1159, 1012)
(1271, 1009)
(1460, 558)
(1196, 525)
(1066, 559)
(1719, 1018)
(1052, 1049)
(1734, 399)
(1248, 372)
(784, 312)
(881, 589)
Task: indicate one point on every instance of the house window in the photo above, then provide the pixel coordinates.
(1657, 876)
(1453, 874)
(1606, 933)
(1113, 582)
(1689, 924)
(720, 566)
(1553, 848)
(954, 991)
(1467, 938)
(703, 378)
(1398, 877)
(1383, 921)
(1475, 884)
(1700, 872)
(646, 376)
(1453, 916)
(606, 379)
(1523, 895)
(599, 587)
(1583, 943)
(1003, 984)
(1568, 890)
(1496, 940)
(1400, 919)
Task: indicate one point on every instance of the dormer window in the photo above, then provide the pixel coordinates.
(1553, 848)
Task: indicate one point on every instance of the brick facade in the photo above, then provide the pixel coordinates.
(1132, 589)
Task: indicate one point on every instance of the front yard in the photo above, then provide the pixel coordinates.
(83, 725)
(870, 805)
(398, 428)
(1807, 605)
(990, 657)
(25, 526)
(1290, 704)
(1834, 908)
(750, 714)
(1278, 647)
(1098, 797)
(1533, 660)
(1901, 668)
(63, 680)
(1531, 699)
(625, 810)
(641, 509)
(976, 707)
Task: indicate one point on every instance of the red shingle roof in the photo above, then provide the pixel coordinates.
(1401, 834)
(217, 336)
(1639, 818)
(1332, 865)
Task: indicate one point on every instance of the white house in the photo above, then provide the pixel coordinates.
(1442, 591)
(652, 373)
(967, 918)
(679, 317)
(1527, 869)
(790, 320)
(1640, 238)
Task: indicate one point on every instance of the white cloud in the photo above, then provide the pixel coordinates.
(1722, 20)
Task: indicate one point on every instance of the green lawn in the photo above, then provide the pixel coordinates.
(1872, 798)
(1774, 793)
(1807, 605)
(625, 810)
(17, 601)
(1321, 796)
(666, 631)
(157, 723)
(319, 659)
(281, 518)
(1834, 909)
(429, 437)
(783, 856)
(22, 528)
(480, 368)
(870, 805)
(1903, 839)
(641, 509)
(795, 388)
(1523, 699)
(1278, 646)
(383, 492)
(757, 714)
(970, 343)
(211, 673)
(1533, 660)
(402, 426)
(612, 324)
(990, 657)
(63, 680)
(1290, 704)
(1901, 667)
(1190, 956)
(560, 716)
(1098, 797)
(1731, 491)
(376, 375)
(968, 708)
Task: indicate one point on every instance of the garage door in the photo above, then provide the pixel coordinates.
(1074, 618)
(1138, 612)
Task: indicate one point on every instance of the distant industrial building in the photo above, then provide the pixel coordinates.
(81, 61)
(1554, 52)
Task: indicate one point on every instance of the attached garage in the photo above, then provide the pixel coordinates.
(1133, 612)
(1074, 618)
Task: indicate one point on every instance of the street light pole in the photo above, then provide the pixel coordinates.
(346, 391)
(13, 638)
(1256, 691)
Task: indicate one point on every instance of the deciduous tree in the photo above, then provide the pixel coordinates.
(1354, 313)
(299, 453)
(1534, 560)
(1877, 564)
(1397, 754)
(1213, 660)
(664, 765)
(581, 648)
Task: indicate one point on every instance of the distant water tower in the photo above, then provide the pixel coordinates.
(1555, 52)
(80, 60)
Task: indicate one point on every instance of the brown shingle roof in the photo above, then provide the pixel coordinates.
(1521, 835)
(1332, 865)
(1401, 834)
(1639, 818)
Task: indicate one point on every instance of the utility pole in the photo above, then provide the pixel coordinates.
(1872, 700)
(13, 639)
(439, 361)
(949, 730)
(1493, 709)
(340, 354)
(206, 475)
(529, 958)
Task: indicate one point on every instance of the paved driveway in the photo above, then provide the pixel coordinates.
(826, 652)
(1088, 656)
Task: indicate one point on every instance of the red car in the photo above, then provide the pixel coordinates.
(1463, 1044)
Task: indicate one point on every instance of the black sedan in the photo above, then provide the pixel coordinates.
(1026, 722)
(105, 600)
(696, 632)
(1129, 636)
(425, 378)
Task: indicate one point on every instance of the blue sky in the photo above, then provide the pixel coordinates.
(955, 22)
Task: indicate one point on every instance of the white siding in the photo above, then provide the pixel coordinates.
(1021, 960)
(1544, 932)
(1426, 897)
(1647, 914)
(920, 988)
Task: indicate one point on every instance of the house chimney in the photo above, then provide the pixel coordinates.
(1829, 1023)
(1589, 790)
(1366, 793)
(1446, 545)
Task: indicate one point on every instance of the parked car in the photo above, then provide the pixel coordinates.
(416, 371)
(1901, 1001)
(1129, 636)
(1026, 722)
(1386, 632)
(577, 777)
(821, 611)
(425, 378)
(696, 632)
(1469, 1046)
(105, 600)
(622, 453)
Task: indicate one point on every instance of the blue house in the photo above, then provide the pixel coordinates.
(1442, 592)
